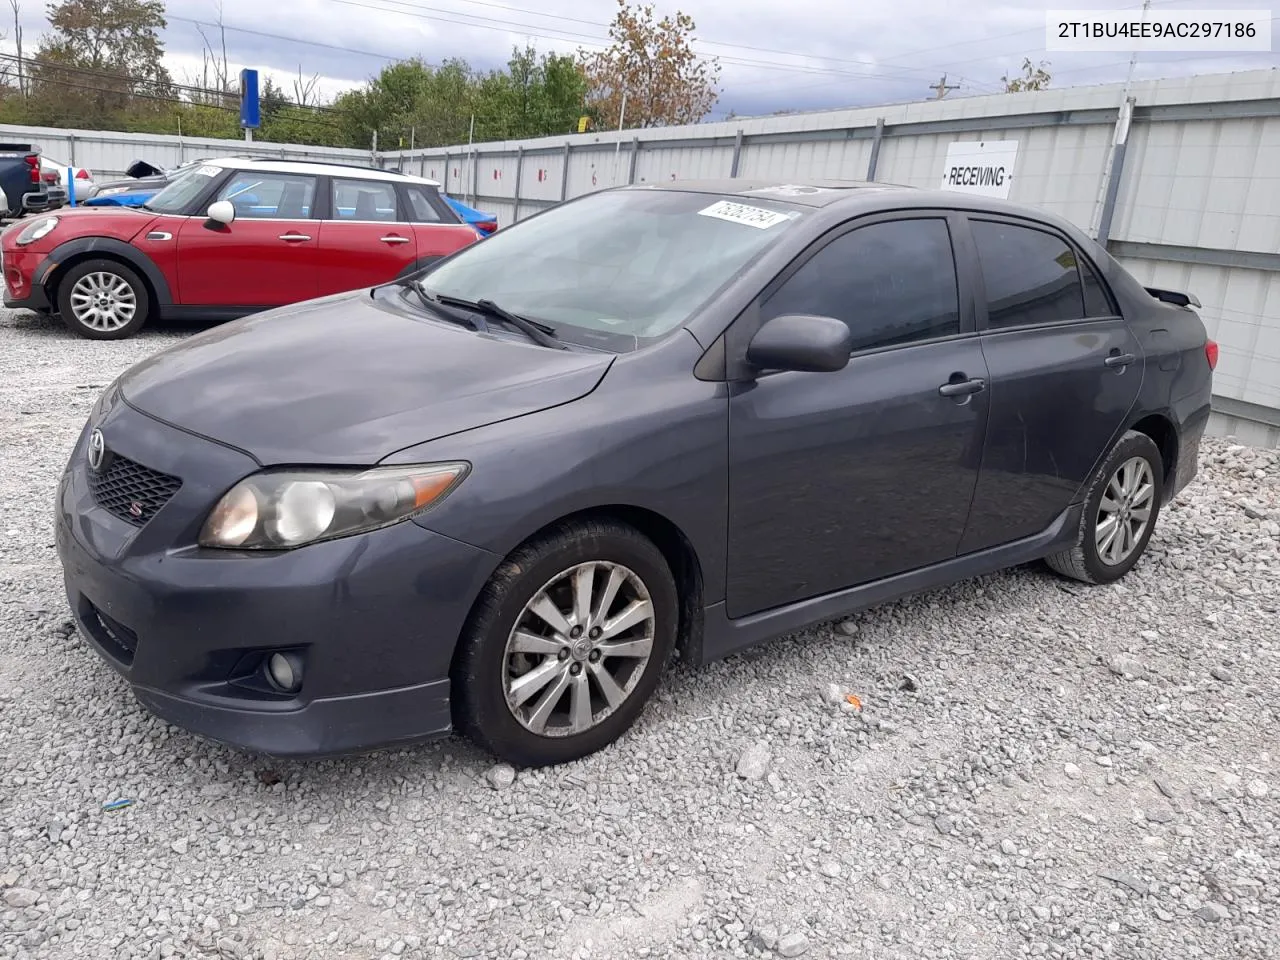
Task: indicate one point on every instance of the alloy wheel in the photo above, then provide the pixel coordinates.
(1124, 511)
(578, 649)
(103, 301)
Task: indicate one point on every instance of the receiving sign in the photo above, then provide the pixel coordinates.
(984, 167)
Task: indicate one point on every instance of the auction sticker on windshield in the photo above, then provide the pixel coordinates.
(748, 216)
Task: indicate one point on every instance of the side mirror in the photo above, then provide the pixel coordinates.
(802, 343)
(223, 211)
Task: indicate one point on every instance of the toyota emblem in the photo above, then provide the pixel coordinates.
(97, 450)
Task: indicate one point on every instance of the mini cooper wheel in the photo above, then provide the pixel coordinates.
(103, 300)
(566, 644)
(1120, 512)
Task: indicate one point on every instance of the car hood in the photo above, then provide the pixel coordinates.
(349, 380)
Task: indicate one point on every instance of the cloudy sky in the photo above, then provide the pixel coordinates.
(797, 54)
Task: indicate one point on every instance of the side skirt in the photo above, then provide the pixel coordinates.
(723, 636)
(171, 311)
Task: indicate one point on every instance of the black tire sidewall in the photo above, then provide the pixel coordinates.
(129, 276)
(480, 700)
(1133, 445)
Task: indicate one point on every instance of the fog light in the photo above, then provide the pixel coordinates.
(285, 671)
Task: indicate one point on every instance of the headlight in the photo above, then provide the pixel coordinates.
(281, 509)
(112, 191)
(35, 230)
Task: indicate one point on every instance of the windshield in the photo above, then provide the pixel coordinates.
(634, 263)
(185, 187)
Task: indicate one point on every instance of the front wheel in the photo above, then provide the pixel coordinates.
(1119, 515)
(566, 644)
(103, 300)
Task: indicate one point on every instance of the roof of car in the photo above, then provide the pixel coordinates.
(864, 195)
(809, 193)
(352, 171)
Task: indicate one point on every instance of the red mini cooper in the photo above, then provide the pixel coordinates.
(227, 238)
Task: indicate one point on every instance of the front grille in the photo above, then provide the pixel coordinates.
(131, 491)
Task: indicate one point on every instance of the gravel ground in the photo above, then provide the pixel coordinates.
(1038, 769)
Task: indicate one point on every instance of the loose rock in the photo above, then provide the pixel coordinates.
(500, 776)
(754, 762)
(792, 944)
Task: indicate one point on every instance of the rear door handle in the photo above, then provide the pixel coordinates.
(1119, 359)
(962, 388)
(394, 239)
(294, 237)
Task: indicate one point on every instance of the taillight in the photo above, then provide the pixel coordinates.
(82, 174)
(1211, 353)
(33, 163)
(50, 178)
(489, 226)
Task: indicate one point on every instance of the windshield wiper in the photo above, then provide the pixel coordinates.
(435, 306)
(539, 333)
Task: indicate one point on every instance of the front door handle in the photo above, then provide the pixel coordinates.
(962, 388)
(1119, 359)
(394, 239)
(294, 237)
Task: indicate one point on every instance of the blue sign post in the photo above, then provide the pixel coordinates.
(250, 114)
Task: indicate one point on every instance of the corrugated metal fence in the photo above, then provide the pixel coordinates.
(1194, 202)
(109, 154)
(1184, 183)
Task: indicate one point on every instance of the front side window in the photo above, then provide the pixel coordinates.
(1031, 276)
(364, 200)
(183, 189)
(892, 283)
(271, 196)
(634, 263)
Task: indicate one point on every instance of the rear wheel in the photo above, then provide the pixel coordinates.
(103, 300)
(1120, 512)
(567, 643)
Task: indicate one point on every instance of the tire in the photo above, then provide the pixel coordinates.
(1085, 561)
(485, 669)
(125, 306)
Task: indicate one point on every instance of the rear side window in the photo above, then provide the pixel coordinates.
(272, 196)
(364, 200)
(1096, 301)
(892, 283)
(421, 209)
(1031, 276)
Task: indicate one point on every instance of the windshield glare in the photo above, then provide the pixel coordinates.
(634, 263)
(185, 187)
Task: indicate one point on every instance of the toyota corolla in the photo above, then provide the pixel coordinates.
(501, 494)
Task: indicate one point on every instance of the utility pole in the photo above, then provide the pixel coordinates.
(942, 87)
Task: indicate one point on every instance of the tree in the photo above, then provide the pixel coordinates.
(1033, 78)
(652, 63)
(535, 97)
(98, 56)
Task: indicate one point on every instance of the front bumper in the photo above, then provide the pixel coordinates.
(374, 617)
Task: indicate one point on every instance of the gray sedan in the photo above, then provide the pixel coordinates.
(500, 495)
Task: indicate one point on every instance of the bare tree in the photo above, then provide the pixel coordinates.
(303, 91)
(17, 36)
(217, 58)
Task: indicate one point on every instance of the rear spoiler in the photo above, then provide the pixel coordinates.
(1177, 298)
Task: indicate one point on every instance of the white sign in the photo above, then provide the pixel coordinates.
(1157, 31)
(984, 167)
(741, 213)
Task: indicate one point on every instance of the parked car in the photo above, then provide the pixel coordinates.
(143, 181)
(499, 495)
(485, 223)
(24, 189)
(54, 173)
(227, 238)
